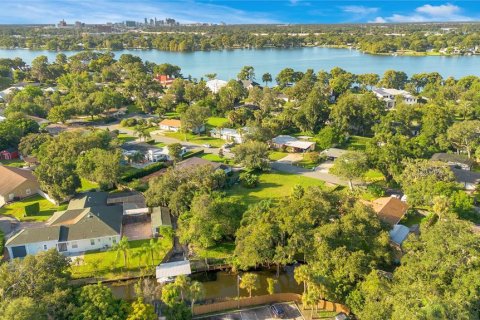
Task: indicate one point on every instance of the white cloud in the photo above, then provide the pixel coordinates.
(444, 10)
(359, 10)
(427, 13)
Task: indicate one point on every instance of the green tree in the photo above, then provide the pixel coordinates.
(142, 311)
(394, 79)
(271, 283)
(252, 154)
(195, 293)
(247, 73)
(96, 302)
(101, 166)
(194, 118)
(249, 282)
(175, 151)
(423, 180)
(351, 165)
(465, 135)
(30, 144)
(23, 308)
(266, 78)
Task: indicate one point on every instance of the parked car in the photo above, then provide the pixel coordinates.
(206, 145)
(277, 311)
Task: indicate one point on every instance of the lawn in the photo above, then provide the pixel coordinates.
(272, 185)
(412, 217)
(373, 176)
(216, 158)
(197, 139)
(277, 155)
(110, 265)
(157, 144)
(172, 115)
(217, 122)
(17, 210)
(18, 163)
(87, 185)
(220, 251)
(357, 143)
(123, 137)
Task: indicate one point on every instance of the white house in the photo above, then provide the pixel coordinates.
(231, 135)
(293, 144)
(215, 85)
(156, 155)
(88, 224)
(389, 95)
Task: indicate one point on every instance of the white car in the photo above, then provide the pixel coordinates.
(206, 145)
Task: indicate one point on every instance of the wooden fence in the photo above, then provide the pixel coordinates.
(262, 300)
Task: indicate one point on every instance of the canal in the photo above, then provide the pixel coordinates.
(220, 285)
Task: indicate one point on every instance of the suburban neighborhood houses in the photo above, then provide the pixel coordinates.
(131, 189)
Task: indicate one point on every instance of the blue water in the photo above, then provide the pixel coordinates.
(227, 63)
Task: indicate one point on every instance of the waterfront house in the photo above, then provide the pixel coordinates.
(87, 224)
(215, 85)
(389, 95)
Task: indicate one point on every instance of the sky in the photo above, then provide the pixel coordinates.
(237, 12)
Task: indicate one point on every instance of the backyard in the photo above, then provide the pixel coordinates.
(110, 264)
(217, 122)
(18, 163)
(272, 185)
(216, 158)
(17, 209)
(198, 139)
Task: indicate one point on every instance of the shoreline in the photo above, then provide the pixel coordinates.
(344, 47)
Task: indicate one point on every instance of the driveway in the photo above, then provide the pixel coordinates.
(258, 313)
(291, 158)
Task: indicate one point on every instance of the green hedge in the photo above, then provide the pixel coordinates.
(151, 168)
(32, 209)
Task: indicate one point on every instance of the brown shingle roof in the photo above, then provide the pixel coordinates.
(10, 178)
(389, 209)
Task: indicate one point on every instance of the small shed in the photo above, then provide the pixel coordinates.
(333, 153)
(166, 272)
(160, 217)
(399, 233)
(9, 154)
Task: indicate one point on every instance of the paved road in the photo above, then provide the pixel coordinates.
(327, 177)
(257, 313)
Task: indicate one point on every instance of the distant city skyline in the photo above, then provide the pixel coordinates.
(237, 12)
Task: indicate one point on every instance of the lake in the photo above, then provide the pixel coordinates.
(227, 63)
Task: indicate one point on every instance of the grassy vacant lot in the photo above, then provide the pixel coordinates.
(215, 158)
(17, 209)
(123, 138)
(221, 251)
(356, 143)
(13, 163)
(217, 122)
(198, 139)
(110, 265)
(272, 185)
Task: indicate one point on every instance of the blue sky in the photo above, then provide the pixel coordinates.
(234, 11)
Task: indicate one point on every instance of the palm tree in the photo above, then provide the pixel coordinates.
(196, 292)
(153, 246)
(122, 248)
(267, 77)
(182, 283)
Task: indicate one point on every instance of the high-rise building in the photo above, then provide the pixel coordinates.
(130, 23)
(146, 21)
(62, 23)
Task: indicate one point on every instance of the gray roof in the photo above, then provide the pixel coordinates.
(77, 224)
(88, 199)
(195, 161)
(453, 158)
(160, 217)
(138, 146)
(466, 176)
(399, 233)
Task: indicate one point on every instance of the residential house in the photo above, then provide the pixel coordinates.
(151, 153)
(164, 80)
(249, 84)
(389, 209)
(56, 128)
(292, 144)
(399, 234)
(389, 95)
(175, 125)
(454, 160)
(467, 178)
(195, 161)
(88, 224)
(9, 154)
(215, 85)
(333, 153)
(230, 135)
(16, 183)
